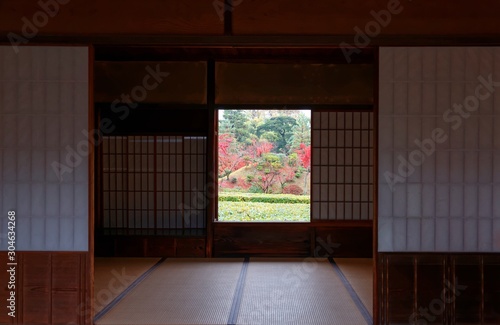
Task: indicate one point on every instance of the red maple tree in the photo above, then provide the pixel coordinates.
(258, 148)
(231, 157)
(305, 156)
(304, 153)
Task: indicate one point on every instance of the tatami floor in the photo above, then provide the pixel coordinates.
(135, 291)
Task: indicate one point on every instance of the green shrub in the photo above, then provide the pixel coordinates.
(253, 189)
(264, 198)
(258, 211)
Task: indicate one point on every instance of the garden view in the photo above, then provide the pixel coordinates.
(264, 165)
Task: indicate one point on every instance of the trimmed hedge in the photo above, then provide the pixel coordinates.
(264, 198)
(257, 211)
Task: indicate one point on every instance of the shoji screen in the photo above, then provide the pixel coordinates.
(342, 160)
(43, 117)
(439, 150)
(154, 182)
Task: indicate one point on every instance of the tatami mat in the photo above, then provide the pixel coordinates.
(113, 275)
(182, 292)
(296, 291)
(267, 291)
(359, 273)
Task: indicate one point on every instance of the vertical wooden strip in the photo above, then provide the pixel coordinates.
(127, 173)
(451, 280)
(482, 287)
(376, 110)
(212, 186)
(183, 185)
(115, 174)
(325, 177)
(87, 300)
(19, 289)
(141, 188)
(52, 271)
(155, 185)
(415, 284)
(311, 166)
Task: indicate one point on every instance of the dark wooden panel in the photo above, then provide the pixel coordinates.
(160, 247)
(341, 17)
(233, 54)
(37, 269)
(104, 245)
(430, 283)
(50, 288)
(94, 17)
(439, 288)
(190, 247)
(344, 242)
(261, 240)
(324, 239)
(4, 291)
(151, 246)
(151, 82)
(400, 288)
(64, 307)
(129, 246)
(34, 295)
(66, 271)
(492, 289)
(257, 83)
(468, 296)
(160, 121)
(36, 303)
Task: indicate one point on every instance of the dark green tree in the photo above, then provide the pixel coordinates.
(283, 127)
(237, 123)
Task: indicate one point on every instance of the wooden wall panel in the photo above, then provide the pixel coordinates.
(94, 17)
(491, 290)
(340, 17)
(36, 297)
(401, 287)
(467, 306)
(4, 291)
(191, 247)
(292, 240)
(185, 83)
(64, 307)
(160, 247)
(150, 246)
(435, 288)
(344, 242)
(429, 284)
(50, 288)
(351, 239)
(261, 240)
(258, 83)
